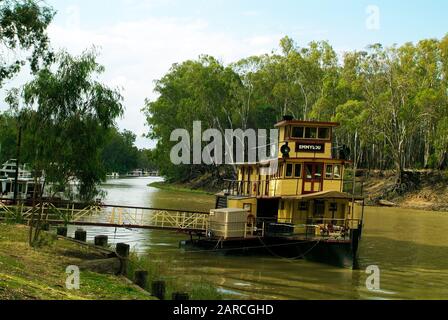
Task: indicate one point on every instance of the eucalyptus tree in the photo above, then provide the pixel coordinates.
(202, 90)
(119, 153)
(23, 36)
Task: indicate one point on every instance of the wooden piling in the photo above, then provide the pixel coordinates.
(122, 250)
(180, 296)
(141, 278)
(158, 289)
(101, 241)
(81, 235)
(61, 231)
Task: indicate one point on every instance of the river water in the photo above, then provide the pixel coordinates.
(409, 247)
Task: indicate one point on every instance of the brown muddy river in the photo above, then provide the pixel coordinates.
(410, 248)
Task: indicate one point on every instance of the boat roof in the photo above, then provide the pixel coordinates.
(325, 195)
(307, 123)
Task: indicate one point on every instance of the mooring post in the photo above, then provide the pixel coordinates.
(81, 235)
(61, 231)
(122, 250)
(180, 296)
(101, 241)
(158, 289)
(141, 278)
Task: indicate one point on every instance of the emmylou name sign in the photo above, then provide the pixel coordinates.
(301, 147)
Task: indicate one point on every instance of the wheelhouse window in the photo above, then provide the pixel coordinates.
(289, 169)
(297, 170)
(310, 133)
(324, 133)
(329, 172)
(297, 132)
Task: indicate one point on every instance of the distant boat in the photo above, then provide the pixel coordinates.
(25, 181)
(8, 170)
(113, 175)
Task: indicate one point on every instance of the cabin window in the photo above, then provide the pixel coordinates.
(318, 173)
(337, 172)
(329, 172)
(309, 171)
(289, 168)
(297, 132)
(310, 133)
(324, 133)
(319, 208)
(297, 171)
(333, 206)
(303, 206)
(282, 205)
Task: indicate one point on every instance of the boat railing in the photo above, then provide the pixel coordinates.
(246, 188)
(261, 188)
(99, 214)
(314, 228)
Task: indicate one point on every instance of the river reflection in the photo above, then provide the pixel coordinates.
(410, 247)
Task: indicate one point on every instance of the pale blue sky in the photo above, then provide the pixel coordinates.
(342, 22)
(140, 39)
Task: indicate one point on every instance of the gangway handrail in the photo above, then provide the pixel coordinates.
(100, 204)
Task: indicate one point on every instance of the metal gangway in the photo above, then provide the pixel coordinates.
(103, 215)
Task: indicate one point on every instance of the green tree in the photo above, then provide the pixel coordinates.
(23, 25)
(8, 136)
(119, 154)
(66, 116)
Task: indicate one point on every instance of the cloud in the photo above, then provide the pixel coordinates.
(136, 53)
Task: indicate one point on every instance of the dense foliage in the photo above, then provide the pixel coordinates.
(122, 156)
(392, 102)
(65, 114)
(23, 25)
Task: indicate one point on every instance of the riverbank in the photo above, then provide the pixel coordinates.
(40, 273)
(180, 187)
(421, 189)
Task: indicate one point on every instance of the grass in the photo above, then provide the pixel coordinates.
(39, 273)
(197, 289)
(176, 187)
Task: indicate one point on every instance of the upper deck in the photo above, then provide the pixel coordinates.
(308, 163)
